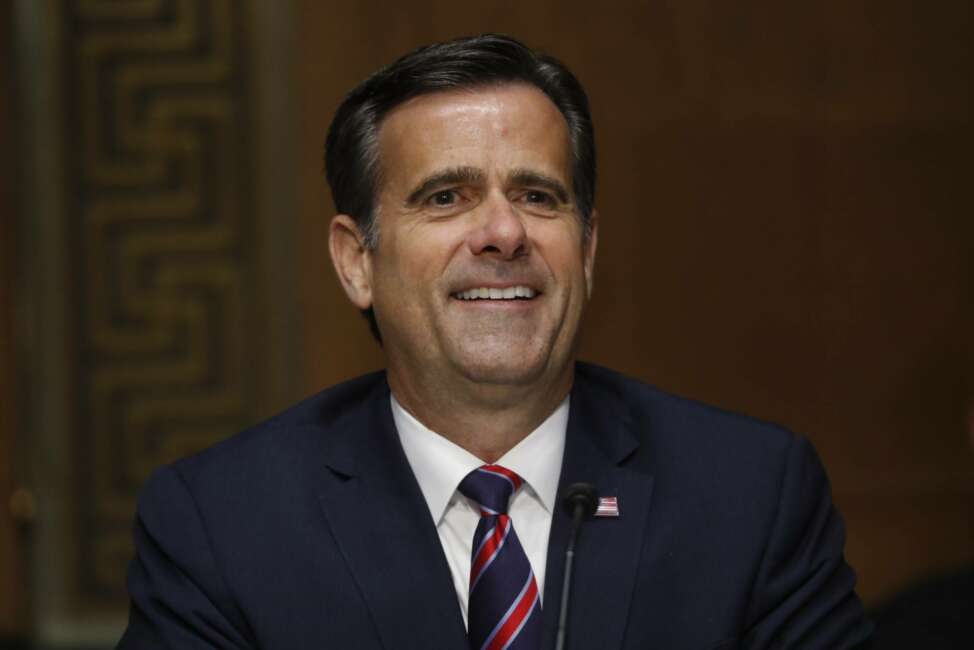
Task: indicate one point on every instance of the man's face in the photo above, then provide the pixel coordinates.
(481, 270)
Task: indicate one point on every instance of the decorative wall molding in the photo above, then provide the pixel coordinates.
(171, 295)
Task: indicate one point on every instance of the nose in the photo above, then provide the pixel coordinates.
(500, 231)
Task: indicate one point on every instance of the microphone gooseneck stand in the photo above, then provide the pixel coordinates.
(580, 501)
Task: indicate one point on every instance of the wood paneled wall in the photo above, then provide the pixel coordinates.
(785, 226)
(11, 569)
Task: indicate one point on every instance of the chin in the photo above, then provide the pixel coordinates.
(514, 370)
(506, 360)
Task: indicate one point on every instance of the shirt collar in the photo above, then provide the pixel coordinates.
(439, 465)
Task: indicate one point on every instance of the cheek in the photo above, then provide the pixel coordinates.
(425, 255)
(409, 275)
(562, 251)
(416, 270)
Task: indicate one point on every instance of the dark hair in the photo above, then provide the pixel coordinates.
(352, 163)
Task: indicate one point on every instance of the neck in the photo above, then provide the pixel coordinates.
(487, 420)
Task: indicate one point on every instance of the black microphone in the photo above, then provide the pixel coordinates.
(580, 501)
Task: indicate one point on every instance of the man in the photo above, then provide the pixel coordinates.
(419, 507)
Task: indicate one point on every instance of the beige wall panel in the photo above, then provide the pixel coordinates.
(157, 304)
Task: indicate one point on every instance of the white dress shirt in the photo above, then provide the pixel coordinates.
(440, 465)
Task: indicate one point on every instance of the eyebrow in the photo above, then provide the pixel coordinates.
(528, 177)
(456, 175)
(468, 175)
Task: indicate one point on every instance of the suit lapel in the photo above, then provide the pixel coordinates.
(382, 525)
(608, 551)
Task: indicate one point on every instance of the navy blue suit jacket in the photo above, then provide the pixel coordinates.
(310, 531)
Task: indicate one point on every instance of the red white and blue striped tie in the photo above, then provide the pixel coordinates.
(504, 607)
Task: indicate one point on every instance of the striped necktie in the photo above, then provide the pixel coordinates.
(504, 607)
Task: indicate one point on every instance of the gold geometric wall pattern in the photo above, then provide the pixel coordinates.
(162, 251)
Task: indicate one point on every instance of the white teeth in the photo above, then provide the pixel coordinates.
(507, 293)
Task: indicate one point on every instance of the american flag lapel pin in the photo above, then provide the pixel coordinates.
(608, 507)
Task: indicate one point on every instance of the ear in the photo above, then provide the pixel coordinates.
(589, 244)
(352, 260)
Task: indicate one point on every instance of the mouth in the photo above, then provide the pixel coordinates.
(517, 292)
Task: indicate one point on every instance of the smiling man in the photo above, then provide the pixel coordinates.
(482, 263)
(419, 507)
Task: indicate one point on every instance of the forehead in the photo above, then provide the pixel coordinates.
(495, 128)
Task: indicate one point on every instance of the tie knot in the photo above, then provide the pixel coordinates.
(491, 486)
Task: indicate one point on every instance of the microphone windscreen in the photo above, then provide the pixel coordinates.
(583, 494)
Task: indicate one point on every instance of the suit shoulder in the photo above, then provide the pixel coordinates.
(730, 466)
(289, 436)
(667, 421)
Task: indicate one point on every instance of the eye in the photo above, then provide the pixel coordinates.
(443, 198)
(539, 198)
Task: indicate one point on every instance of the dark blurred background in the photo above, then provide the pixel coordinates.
(787, 230)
